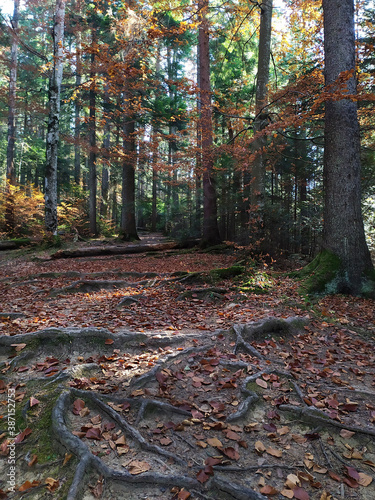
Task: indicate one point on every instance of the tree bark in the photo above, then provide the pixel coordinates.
(343, 232)
(11, 173)
(211, 234)
(261, 120)
(77, 112)
(92, 140)
(128, 223)
(53, 119)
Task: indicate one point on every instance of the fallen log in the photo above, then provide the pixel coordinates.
(122, 249)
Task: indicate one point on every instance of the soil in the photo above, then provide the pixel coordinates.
(133, 379)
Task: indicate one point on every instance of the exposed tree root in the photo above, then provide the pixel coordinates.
(88, 461)
(312, 414)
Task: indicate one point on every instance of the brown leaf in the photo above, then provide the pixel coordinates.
(33, 460)
(78, 405)
(137, 467)
(351, 472)
(98, 490)
(212, 461)
(298, 438)
(202, 444)
(346, 434)
(183, 495)
(214, 442)
(18, 347)
(109, 341)
(233, 436)
(21, 436)
(352, 483)
(166, 441)
(52, 484)
(269, 490)
(230, 453)
(300, 494)
(287, 493)
(364, 479)
(202, 476)
(33, 401)
(259, 447)
(67, 457)
(261, 383)
(25, 486)
(274, 452)
(93, 433)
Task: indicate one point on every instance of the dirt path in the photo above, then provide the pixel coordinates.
(132, 379)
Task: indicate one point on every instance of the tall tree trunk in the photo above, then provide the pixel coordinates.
(92, 140)
(105, 157)
(260, 122)
(11, 171)
(77, 113)
(211, 234)
(343, 232)
(128, 222)
(52, 140)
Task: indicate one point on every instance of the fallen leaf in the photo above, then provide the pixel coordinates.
(33, 401)
(51, 483)
(262, 383)
(364, 479)
(202, 444)
(214, 442)
(166, 441)
(137, 467)
(346, 434)
(33, 460)
(183, 495)
(300, 494)
(269, 490)
(202, 476)
(27, 485)
(259, 447)
(67, 457)
(230, 453)
(292, 481)
(21, 436)
(109, 341)
(274, 452)
(287, 493)
(18, 347)
(93, 433)
(78, 405)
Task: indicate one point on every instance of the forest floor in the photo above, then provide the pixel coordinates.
(146, 376)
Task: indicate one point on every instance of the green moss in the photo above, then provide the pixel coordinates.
(368, 285)
(319, 276)
(227, 272)
(40, 420)
(259, 283)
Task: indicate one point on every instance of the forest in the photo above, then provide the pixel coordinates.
(187, 245)
(200, 121)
